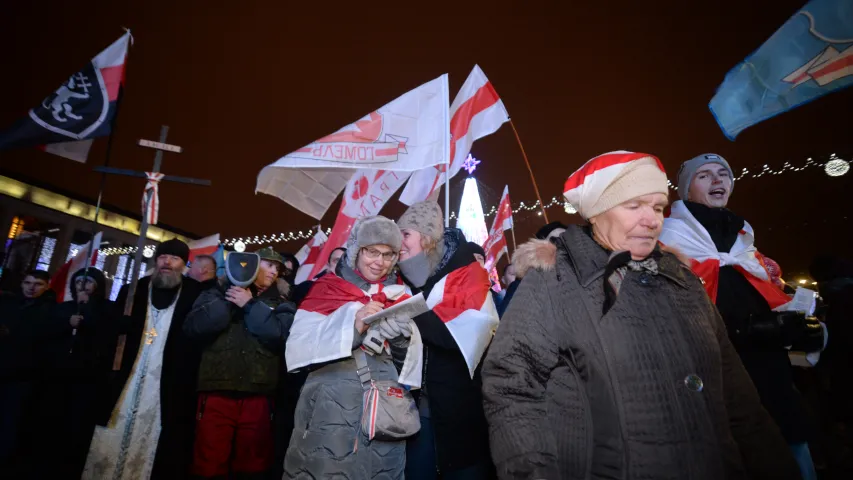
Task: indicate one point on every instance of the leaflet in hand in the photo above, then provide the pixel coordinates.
(409, 308)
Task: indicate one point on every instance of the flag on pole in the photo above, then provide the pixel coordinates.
(61, 280)
(809, 56)
(476, 111)
(310, 255)
(204, 246)
(82, 108)
(365, 195)
(405, 135)
(495, 245)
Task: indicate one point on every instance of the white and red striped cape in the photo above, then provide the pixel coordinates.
(683, 232)
(324, 325)
(463, 301)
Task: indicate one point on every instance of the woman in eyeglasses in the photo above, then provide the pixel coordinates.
(329, 337)
(453, 441)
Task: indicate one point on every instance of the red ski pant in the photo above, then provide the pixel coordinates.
(232, 435)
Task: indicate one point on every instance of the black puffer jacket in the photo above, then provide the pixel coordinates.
(455, 399)
(651, 389)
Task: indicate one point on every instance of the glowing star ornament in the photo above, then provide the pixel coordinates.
(836, 167)
(470, 164)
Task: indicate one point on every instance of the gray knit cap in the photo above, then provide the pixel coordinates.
(376, 230)
(688, 171)
(425, 218)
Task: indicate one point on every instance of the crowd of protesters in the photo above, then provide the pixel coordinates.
(631, 346)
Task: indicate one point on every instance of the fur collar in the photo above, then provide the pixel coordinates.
(587, 258)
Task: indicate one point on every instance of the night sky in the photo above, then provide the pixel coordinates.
(242, 85)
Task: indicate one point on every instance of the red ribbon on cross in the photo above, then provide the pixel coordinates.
(154, 205)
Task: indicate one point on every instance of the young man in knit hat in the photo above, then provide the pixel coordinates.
(149, 420)
(244, 330)
(441, 264)
(721, 246)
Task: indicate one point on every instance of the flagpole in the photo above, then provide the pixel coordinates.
(447, 159)
(512, 230)
(532, 178)
(103, 184)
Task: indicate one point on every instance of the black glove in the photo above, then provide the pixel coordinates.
(810, 337)
(786, 329)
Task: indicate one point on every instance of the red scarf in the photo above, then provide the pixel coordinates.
(329, 293)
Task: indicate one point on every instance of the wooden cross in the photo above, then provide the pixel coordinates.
(160, 146)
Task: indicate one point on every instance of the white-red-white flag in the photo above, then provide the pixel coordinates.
(476, 111)
(495, 245)
(408, 134)
(203, 246)
(61, 280)
(309, 255)
(366, 193)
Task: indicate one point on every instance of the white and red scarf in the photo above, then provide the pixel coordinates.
(683, 232)
(324, 325)
(463, 301)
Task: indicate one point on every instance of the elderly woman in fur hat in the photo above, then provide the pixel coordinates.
(330, 338)
(611, 361)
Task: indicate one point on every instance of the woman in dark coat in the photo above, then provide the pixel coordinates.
(453, 441)
(85, 331)
(611, 362)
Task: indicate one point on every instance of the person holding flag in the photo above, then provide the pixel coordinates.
(456, 331)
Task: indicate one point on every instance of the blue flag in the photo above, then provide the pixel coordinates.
(810, 56)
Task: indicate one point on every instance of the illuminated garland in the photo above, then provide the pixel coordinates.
(834, 167)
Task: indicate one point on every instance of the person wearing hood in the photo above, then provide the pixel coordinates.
(24, 317)
(85, 333)
(453, 441)
(721, 247)
(611, 362)
(345, 356)
(244, 330)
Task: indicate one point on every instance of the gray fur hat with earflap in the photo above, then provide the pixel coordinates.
(376, 230)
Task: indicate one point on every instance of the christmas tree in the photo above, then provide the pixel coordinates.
(470, 219)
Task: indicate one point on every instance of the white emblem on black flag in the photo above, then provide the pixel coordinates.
(77, 108)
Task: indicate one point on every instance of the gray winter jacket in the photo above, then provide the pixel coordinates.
(327, 441)
(651, 389)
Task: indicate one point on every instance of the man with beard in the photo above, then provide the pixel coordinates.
(149, 432)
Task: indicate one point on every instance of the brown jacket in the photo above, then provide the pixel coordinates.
(652, 389)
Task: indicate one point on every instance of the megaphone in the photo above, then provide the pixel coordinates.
(242, 268)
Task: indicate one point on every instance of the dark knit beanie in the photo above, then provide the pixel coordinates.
(476, 248)
(173, 247)
(543, 232)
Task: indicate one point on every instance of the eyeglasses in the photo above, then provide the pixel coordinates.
(373, 254)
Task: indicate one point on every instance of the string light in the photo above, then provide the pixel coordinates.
(836, 167)
(833, 167)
